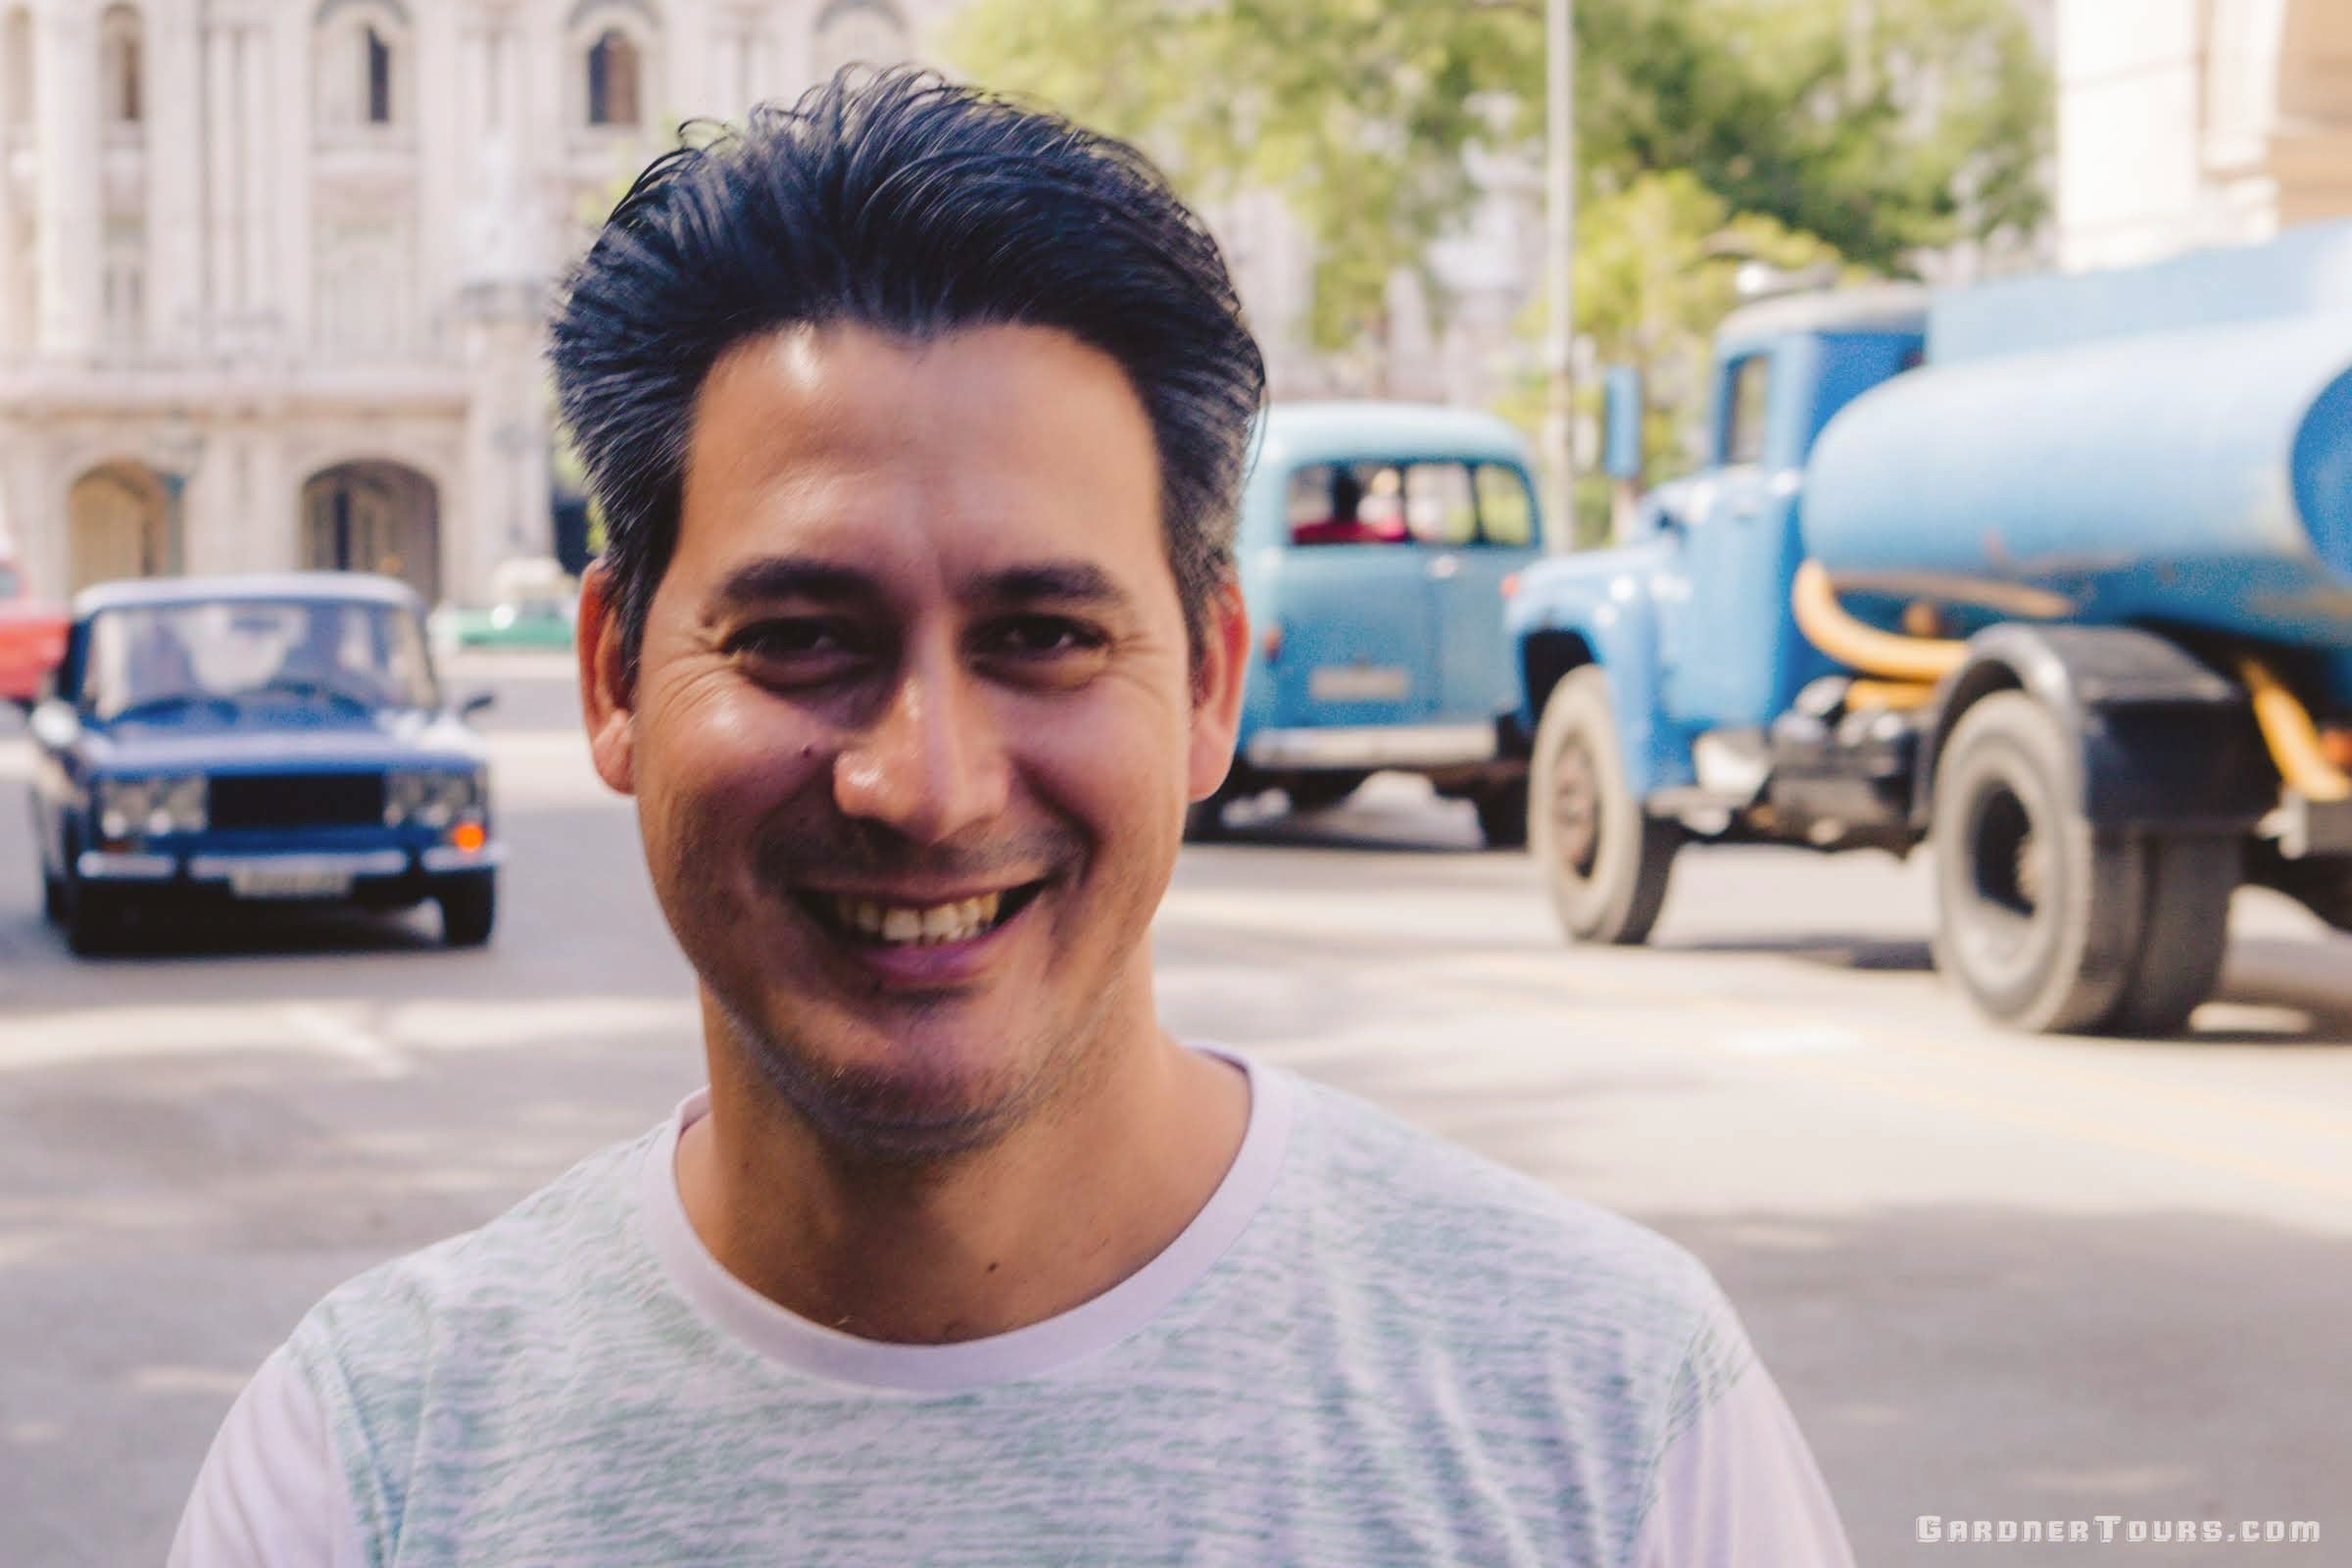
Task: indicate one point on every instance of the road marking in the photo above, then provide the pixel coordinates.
(361, 1046)
(1802, 1040)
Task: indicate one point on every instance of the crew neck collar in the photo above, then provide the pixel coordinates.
(785, 1337)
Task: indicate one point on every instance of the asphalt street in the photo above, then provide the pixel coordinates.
(1999, 1278)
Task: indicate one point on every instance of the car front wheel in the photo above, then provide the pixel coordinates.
(469, 911)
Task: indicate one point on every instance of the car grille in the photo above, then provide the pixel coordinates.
(297, 800)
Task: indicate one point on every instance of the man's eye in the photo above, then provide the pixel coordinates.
(820, 642)
(1042, 637)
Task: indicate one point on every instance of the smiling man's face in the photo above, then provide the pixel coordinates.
(916, 721)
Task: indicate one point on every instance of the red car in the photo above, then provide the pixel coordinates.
(32, 637)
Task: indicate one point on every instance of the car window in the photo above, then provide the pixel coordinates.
(1506, 512)
(284, 652)
(1382, 504)
(1440, 507)
(10, 584)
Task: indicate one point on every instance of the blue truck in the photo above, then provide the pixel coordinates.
(2052, 576)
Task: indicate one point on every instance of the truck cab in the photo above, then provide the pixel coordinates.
(1377, 545)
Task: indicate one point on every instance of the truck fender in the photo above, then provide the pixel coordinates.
(2167, 742)
(1619, 633)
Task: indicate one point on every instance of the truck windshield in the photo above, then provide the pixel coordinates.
(155, 658)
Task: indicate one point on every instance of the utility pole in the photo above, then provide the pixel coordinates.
(1560, 260)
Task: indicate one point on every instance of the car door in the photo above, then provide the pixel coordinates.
(1357, 612)
(1487, 545)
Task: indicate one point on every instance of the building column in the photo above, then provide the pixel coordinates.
(66, 50)
(224, 295)
(175, 105)
(36, 518)
(256, 95)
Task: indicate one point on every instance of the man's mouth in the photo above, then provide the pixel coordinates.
(880, 922)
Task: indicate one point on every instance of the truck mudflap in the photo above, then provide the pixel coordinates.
(2167, 742)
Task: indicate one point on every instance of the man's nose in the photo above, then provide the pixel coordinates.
(931, 764)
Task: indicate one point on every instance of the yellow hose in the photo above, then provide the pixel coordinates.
(1908, 666)
(1862, 647)
(2293, 741)
(1899, 696)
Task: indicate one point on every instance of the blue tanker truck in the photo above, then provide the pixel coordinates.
(2052, 576)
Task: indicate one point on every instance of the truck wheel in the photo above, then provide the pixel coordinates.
(2040, 914)
(469, 911)
(2185, 932)
(1503, 815)
(1605, 859)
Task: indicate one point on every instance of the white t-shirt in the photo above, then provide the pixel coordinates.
(1369, 1348)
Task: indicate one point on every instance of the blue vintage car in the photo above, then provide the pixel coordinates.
(256, 739)
(1378, 545)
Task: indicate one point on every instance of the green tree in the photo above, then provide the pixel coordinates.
(1878, 126)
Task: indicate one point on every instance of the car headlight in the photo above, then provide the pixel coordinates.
(435, 798)
(151, 807)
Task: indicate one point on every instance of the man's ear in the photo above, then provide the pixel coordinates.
(1224, 661)
(607, 697)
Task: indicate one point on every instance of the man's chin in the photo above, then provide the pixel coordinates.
(914, 1100)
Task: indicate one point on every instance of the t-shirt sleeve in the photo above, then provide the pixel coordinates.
(1737, 1486)
(269, 1495)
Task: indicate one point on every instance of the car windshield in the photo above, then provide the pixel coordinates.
(153, 658)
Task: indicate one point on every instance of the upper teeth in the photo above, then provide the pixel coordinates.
(939, 922)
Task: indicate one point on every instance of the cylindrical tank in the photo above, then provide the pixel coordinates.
(2200, 477)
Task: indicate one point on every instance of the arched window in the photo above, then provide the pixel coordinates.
(379, 66)
(864, 33)
(614, 86)
(120, 65)
(359, 64)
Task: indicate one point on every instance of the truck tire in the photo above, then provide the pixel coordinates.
(1606, 862)
(2038, 914)
(2185, 932)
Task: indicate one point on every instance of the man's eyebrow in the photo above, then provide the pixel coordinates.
(1077, 581)
(794, 577)
(772, 578)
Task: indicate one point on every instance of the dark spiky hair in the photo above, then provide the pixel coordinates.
(909, 205)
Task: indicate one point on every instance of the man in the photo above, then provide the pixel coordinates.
(918, 421)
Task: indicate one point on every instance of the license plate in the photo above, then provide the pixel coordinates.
(270, 882)
(1359, 683)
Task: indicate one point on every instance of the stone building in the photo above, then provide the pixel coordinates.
(2186, 122)
(272, 271)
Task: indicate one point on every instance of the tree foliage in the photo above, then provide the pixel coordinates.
(1877, 127)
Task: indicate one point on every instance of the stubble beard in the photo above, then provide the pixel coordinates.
(864, 1116)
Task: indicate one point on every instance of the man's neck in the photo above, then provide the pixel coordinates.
(1075, 1199)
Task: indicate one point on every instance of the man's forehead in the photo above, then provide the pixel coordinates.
(982, 453)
